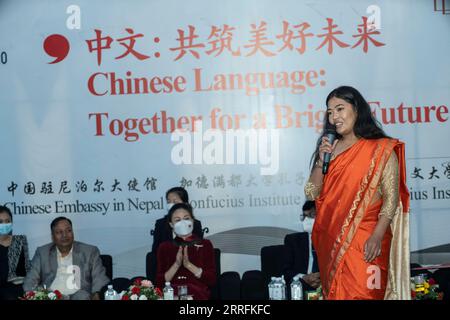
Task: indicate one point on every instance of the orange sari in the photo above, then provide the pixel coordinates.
(346, 218)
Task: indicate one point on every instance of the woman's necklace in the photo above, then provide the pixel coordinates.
(343, 147)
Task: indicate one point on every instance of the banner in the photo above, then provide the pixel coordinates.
(105, 105)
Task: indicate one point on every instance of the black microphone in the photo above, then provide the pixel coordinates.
(331, 135)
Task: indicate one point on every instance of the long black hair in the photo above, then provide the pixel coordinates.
(181, 192)
(366, 126)
(185, 206)
(6, 210)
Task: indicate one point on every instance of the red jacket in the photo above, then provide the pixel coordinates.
(201, 254)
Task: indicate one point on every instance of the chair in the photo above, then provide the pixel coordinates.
(272, 259)
(108, 264)
(121, 284)
(252, 286)
(230, 286)
(217, 254)
(216, 288)
(150, 266)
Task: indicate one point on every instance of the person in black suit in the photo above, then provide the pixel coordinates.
(299, 256)
(163, 231)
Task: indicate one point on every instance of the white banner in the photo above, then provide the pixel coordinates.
(93, 91)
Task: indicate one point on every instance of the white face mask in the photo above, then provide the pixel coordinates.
(308, 224)
(183, 227)
(169, 205)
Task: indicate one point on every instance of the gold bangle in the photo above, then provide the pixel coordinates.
(316, 165)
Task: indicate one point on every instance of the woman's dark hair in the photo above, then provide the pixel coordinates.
(184, 206)
(308, 205)
(181, 192)
(366, 126)
(7, 211)
(57, 220)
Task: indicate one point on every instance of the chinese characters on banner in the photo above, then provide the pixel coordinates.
(297, 37)
(149, 184)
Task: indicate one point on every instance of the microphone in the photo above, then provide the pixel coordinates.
(331, 135)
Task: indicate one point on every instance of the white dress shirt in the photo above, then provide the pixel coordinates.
(310, 260)
(65, 277)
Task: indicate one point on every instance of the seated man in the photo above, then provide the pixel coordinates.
(299, 256)
(74, 268)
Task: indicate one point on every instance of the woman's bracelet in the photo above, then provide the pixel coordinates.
(318, 164)
(199, 272)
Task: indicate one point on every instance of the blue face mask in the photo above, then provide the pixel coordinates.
(5, 228)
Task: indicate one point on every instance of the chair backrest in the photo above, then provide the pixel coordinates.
(272, 260)
(218, 261)
(121, 284)
(108, 264)
(216, 288)
(252, 286)
(230, 286)
(150, 266)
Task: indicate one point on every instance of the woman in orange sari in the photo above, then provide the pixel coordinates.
(361, 231)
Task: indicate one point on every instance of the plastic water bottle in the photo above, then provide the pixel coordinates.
(271, 287)
(278, 289)
(110, 294)
(296, 289)
(168, 291)
(276, 293)
(283, 288)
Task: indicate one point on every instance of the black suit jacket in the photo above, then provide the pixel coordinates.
(163, 232)
(296, 257)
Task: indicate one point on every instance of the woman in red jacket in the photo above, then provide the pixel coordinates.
(187, 259)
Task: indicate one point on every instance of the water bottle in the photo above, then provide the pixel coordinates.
(168, 291)
(283, 296)
(296, 289)
(276, 294)
(271, 287)
(110, 294)
(278, 288)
